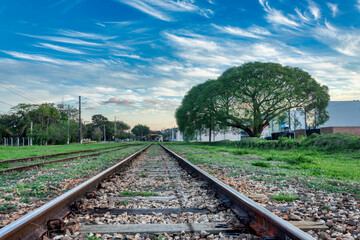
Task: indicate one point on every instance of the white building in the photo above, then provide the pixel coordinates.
(230, 134)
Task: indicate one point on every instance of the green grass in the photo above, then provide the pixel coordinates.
(54, 175)
(124, 202)
(30, 151)
(284, 197)
(134, 194)
(6, 206)
(143, 175)
(320, 167)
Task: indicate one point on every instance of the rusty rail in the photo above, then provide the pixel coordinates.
(34, 224)
(255, 217)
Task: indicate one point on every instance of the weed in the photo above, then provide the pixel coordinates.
(6, 206)
(92, 237)
(326, 207)
(284, 197)
(241, 152)
(143, 175)
(7, 198)
(133, 194)
(261, 164)
(25, 200)
(124, 202)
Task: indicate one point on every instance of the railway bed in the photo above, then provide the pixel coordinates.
(153, 199)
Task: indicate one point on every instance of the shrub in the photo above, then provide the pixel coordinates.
(261, 164)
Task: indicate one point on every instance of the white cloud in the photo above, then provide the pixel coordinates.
(33, 57)
(192, 42)
(59, 48)
(276, 16)
(314, 10)
(65, 40)
(334, 8)
(251, 32)
(345, 41)
(157, 8)
(76, 34)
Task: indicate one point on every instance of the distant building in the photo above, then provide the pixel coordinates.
(231, 134)
(344, 117)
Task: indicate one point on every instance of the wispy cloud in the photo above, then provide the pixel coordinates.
(157, 8)
(59, 48)
(276, 16)
(64, 40)
(76, 34)
(334, 8)
(314, 10)
(252, 32)
(192, 42)
(33, 57)
(358, 5)
(345, 41)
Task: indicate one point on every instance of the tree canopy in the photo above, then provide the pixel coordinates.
(140, 130)
(249, 97)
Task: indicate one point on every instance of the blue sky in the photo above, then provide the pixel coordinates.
(135, 59)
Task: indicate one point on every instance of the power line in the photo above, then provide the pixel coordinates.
(7, 103)
(17, 92)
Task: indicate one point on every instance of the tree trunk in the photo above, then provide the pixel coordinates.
(210, 135)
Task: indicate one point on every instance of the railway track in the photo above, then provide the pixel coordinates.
(39, 164)
(154, 198)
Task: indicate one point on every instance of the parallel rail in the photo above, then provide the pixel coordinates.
(53, 155)
(259, 219)
(34, 224)
(255, 217)
(40, 164)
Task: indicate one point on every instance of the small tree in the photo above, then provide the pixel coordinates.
(140, 131)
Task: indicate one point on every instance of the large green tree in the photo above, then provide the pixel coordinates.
(249, 96)
(198, 112)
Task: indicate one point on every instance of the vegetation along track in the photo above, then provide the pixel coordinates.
(54, 155)
(39, 164)
(154, 199)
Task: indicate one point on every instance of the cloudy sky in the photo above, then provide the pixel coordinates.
(135, 59)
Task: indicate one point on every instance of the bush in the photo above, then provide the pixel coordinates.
(261, 164)
(332, 142)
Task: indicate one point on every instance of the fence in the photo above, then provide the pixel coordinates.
(16, 142)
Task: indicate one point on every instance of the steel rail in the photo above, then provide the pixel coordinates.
(32, 225)
(53, 155)
(40, 164)
(265, 223)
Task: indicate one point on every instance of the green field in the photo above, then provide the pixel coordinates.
(333, 172)
(30, 151)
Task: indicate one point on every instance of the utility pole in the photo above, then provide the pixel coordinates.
(68, 131)
(31, 129)
(80, 133)
(104, 134)
(115, 130)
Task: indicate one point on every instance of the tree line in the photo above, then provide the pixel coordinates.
(57, 124)
(249, 97)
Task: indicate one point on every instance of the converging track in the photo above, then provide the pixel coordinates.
(153, 198)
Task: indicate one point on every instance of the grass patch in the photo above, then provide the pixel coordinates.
(261, 164)
(134, 194)
(6, 206)
(123, 203)
(284, 197)
(143, 175)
